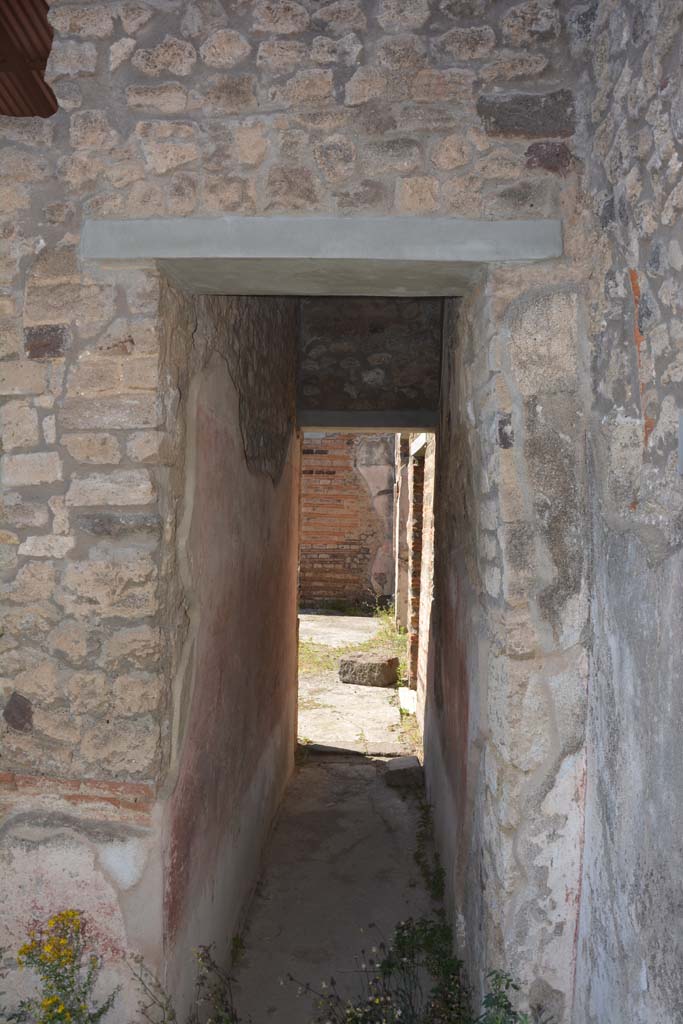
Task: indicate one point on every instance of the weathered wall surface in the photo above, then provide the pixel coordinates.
(260, 107)
(505, 703)
(346, 543)
(236, 458)
(628, 969)
(82, 736)
(82, 534)
(376, 354)
(126, 661)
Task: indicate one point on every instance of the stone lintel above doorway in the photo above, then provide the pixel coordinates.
(359, 421)
(284, 255)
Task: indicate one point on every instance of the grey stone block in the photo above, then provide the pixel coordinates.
(369, 668)
(528, 114)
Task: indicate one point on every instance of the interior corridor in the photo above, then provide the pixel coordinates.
(341, 858)
(227, 226)
(344, 843)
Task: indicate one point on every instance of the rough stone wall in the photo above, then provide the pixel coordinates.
(628, 968)
(346, 518)
(258, 107)
(360, 354)
(82, 734)
(505, 702)
(81, 538)
(82, 689)
(100, 616)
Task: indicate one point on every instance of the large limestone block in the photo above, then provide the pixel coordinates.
(544, 344)
(30, 469)
(369, 668)
(18, 425)
(123, 587)
(119, 487)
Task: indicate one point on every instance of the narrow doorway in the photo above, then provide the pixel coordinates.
(233, 661)
(352, 651)
(353, 833)
(346, 838)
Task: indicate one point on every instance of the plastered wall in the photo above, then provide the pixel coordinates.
(191, 695)
(233, 622)
(628, 968)
(505, 701)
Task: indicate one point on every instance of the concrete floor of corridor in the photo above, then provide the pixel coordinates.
(340, 859)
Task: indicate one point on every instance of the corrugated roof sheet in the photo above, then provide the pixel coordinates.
(25, 41)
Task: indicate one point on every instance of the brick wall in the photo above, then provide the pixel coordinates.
(347, 517)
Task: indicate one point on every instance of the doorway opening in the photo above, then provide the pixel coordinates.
(247, 375)
(368, 378)
(352, 658)
(366, 575)
(242, 375)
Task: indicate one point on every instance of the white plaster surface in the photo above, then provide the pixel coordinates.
(124, 861)
(44, 873)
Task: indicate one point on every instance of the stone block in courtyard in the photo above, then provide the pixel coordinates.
(369, 668)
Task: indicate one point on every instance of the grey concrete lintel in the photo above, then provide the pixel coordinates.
(365, 421)
(322, 255)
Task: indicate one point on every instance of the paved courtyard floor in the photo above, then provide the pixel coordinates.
(340, 715)
(337, 630)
